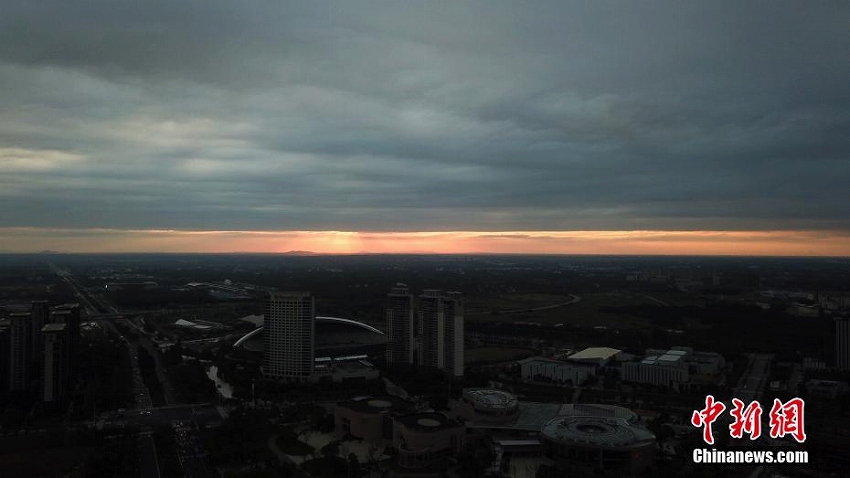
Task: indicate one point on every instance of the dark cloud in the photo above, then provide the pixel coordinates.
(411, 116)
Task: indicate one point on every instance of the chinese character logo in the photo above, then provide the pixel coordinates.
(705, 417)
(787, 419)
(747, 420)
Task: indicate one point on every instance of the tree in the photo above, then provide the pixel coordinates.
(354, 470)
(331, 449)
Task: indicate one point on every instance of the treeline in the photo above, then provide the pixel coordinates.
(191, 384)
(105, 378)
(147, 365)
(730, 328)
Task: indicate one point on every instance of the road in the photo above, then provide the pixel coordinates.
(753, 380)
(573, 299)
(183, 421)
(750, 387)
(190, 450)
(148, 459)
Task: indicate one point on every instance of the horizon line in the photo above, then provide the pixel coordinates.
(337, 254)
(736, 243)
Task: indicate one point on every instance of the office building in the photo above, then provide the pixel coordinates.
(289, 330)
(55, 385)
(842, 343)
(20, 341)
(400, 326)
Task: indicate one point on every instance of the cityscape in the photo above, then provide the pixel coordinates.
(197, 365)
(378, 239)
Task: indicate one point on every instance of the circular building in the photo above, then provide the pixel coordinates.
(598, 410)
(591, 442)
(369, 418)
(424, 439)
(487, 405)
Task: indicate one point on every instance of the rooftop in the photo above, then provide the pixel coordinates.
(426, 422)
(381, 404)
(600, 353)
(490, 398)
(532, 416)
(598, 410)
(596, 431)
(54, 328)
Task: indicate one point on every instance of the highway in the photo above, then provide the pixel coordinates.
(193, 460)
(749, 388)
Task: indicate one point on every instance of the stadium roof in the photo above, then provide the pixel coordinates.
(596, 432)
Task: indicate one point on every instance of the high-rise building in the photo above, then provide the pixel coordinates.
(40, 315)
(453, 332)
(69, 314)
(441, 331)
(20, 341)
(289, 335)
(432, 329)
(842, 343)
(55, 385)
(400, 326)
(5, 353)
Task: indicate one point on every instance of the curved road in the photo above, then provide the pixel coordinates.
(573, 299)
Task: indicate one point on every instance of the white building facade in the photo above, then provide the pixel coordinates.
(289, 335)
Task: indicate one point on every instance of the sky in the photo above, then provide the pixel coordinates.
(599, 127)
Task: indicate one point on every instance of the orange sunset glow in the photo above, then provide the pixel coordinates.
(759, 243)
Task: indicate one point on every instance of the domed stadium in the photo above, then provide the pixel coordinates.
(335, 337)
(598, 442)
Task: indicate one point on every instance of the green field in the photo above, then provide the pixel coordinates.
(494, 354)
(585, 312)
(485, 305)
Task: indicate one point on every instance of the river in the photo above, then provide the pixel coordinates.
(224, 388)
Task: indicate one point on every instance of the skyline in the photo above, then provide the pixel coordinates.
(561, 127)
(673, 243)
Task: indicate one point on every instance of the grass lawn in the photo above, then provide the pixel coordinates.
(585, 312)
(494, 354)
(485, 305)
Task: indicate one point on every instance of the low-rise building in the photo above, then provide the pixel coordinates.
(826, 389)
(665, 370)
(556, 371)
(426, 439)
(596, 356)
(487, 405)
(672, 367)
(369, 418)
